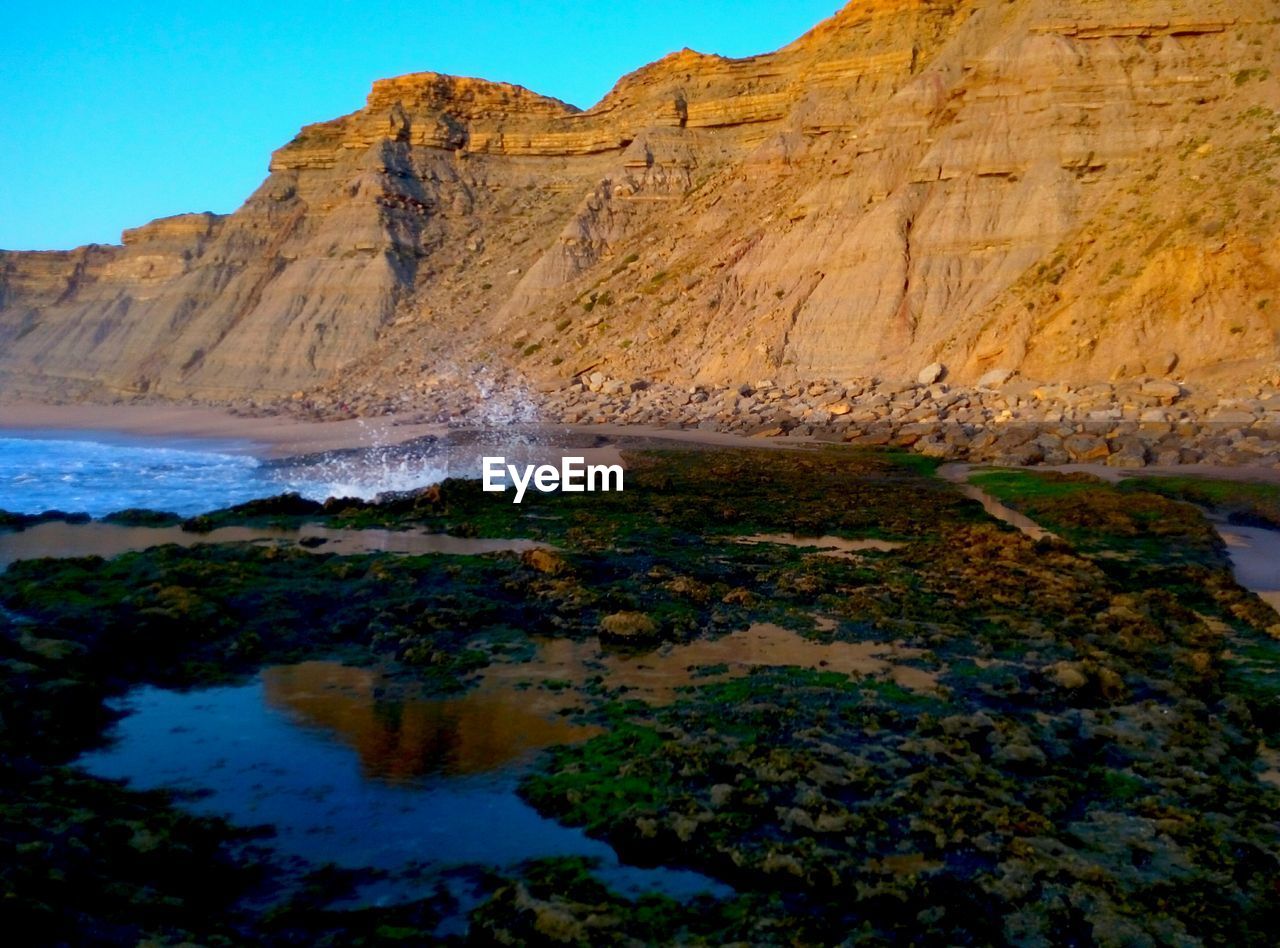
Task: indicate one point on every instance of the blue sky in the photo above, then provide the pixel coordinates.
(112, 114)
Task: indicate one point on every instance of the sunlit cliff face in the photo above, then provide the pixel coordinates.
(1073, 189)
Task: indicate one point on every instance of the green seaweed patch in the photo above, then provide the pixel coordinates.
(284, 510)
(1244, 503)
(1253, 673)
(846, 795)
(679, 495)
(916, 463)
(1031, 486)
(560, 900)
(20, 521)
(138, 517)
(1129, 526)
(95, 863)
(186, 616)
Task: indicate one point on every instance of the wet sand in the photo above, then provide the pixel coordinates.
(58, 540)
(281, 436)
(657, 676)
(824, 545)
(276, 436)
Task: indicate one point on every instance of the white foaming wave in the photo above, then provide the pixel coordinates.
(364, 476)
(98, 477)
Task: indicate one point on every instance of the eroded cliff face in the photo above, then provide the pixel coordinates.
(1077, 189)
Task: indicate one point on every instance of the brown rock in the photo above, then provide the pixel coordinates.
(1070, 676)
(1084, 448)
(628, 628)
(545, 561)
(862, 201)
(931, 373)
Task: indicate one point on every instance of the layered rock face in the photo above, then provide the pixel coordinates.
(1079, 190)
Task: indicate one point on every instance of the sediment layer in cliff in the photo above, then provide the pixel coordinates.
(1076, 189)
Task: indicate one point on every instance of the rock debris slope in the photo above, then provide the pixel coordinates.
(1075, 189)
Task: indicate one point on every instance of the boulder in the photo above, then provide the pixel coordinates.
(1233, 418)
(1069, 676)
(628, 628)
(931, 373)
(1084, 448)
(995, 378)
(1130, 453)
(545, 562)
(1167, 392)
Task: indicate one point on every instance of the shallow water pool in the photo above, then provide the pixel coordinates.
(351, 769)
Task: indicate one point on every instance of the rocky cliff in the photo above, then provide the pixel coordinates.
(1074, 189)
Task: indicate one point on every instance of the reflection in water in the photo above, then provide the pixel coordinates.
(243, 751)
(58, 539)
(1255, 554)
(657, 676)
(1003, 513)
(830, 546)
(399, 738)
(958, 474)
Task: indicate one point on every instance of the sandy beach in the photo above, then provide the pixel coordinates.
(269, 437)
(281, 436)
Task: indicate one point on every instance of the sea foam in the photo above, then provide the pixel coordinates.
(99, 473)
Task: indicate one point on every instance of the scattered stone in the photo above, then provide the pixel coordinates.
(995, 378)
(1016, 422)
(1167, 392)
(931, 373)
(1084, 448)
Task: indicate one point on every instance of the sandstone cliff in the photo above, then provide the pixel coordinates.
(1079, 189)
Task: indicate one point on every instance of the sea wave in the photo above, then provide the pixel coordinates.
(100, 474)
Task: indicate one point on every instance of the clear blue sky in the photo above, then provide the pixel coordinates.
(114, 113)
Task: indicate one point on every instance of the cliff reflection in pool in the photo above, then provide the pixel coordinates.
(399, 738)
(350, 769)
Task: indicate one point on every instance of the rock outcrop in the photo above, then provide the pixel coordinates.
(1082, 190)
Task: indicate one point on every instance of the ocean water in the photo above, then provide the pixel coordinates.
(99, 473)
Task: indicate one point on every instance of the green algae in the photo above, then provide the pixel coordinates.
(186, 616)
(1243, 502)
(136, 517)
(551, 901)
(1084, 770)
(1100, 518)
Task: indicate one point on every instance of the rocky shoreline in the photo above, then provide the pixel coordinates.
(1132, 424)
(991, 727)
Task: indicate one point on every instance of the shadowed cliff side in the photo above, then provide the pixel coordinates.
(1078, 190)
